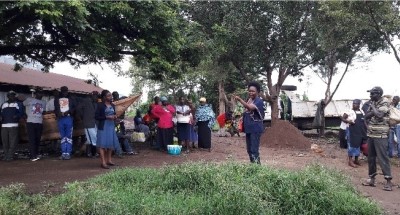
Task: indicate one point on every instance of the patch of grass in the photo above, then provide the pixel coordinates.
(199, 188)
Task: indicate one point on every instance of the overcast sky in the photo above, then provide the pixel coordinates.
(381, 70)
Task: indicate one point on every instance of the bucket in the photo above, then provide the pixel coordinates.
(174, 149)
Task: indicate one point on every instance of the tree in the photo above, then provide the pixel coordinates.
(341, 35)
(261, 39)
(385, 20)
(83, 32)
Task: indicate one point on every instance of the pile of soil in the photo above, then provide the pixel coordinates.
(284, 135)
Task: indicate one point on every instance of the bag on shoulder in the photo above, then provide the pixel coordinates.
(394, 116)
(138, 137)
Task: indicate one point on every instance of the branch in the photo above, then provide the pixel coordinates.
(341, 78)
(243, 73)
(320, 77)
(9, 50)
(384, 34)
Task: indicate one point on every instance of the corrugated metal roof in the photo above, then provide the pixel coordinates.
(48, 81)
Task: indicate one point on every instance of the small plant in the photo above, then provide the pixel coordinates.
(199, 188)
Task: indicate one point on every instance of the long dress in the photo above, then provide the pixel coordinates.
(107, 138)
(205, 120)
(204, 135)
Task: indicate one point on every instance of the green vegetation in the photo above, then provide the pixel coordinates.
(199, 189)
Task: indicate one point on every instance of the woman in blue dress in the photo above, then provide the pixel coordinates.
(106, 135)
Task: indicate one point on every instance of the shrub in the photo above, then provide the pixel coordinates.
(200, 188)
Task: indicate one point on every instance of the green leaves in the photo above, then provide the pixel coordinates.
(91, 32)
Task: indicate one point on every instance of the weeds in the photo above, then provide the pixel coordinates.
(199, 188)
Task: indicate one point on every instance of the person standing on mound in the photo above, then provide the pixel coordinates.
(106, 136)
(253, 120)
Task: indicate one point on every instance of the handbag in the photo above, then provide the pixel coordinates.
(138, 137)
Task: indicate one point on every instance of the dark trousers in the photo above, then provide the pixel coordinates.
(34, 135)
(342, 139)
(377, 148)
(204, 140)
(253, 146)
(10, 139)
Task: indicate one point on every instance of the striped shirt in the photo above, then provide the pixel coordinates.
(379, 127)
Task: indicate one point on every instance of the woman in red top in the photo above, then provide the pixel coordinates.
(165, 131)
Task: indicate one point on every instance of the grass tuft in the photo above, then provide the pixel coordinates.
(199, 188)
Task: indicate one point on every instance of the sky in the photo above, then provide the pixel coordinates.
(380, 70)
(108, 78)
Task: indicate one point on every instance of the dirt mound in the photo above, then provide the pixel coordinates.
(284, 135)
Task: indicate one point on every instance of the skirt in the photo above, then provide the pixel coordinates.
(351, 151)
(204, 135)
(165, 136)
(107, 138)
(183, 131)
(193, 134)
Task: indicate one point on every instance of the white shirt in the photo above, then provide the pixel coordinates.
(182, 108)
(352, 116)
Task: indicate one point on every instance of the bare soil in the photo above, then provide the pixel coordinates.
(49, 174)
(284, 136)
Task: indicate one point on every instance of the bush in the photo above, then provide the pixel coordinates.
(199, 188)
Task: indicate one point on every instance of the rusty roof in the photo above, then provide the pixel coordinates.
(48, 81)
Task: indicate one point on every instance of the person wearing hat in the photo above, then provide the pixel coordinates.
(10, 113)
(355, 132)
(378, 129)
(165, 130)
(205, 118)
(86, 110)
(35, 107)
(64, 109)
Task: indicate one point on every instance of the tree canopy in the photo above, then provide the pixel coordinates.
(83, 32)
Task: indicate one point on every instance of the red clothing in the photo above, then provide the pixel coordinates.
(151, 111)
(221, 120)
(165, 115)
(146, 119)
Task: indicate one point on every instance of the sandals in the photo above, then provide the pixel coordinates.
(369, 182)
(104, 166)
(388, 187)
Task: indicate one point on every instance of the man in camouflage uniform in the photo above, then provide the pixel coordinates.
(378, 129)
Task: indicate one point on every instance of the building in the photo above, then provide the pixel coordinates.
(22, 82)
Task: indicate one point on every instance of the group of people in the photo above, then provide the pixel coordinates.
(190, 119)
(193, 124)
(104, 130)
(90, 109)
(368, 126)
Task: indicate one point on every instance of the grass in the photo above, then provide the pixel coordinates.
(198, 188)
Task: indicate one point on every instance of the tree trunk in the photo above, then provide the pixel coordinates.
(274, 94)
(321, 132)
(274, 111)
(221, 95)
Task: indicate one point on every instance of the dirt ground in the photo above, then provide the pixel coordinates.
(49, 174)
